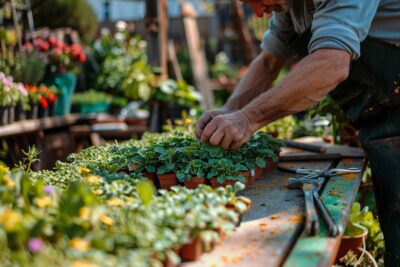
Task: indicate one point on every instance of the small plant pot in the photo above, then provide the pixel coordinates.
(351, 243)
(124, 170)
(151, 176)
(133, 166)
(167, 180)
(20, 114)
(33, 113)
(191, 251)
(247, 176)
(195, 182)
(51, 110)
(11, 114)
(271, 165)
(3, 115)
(258, 172)
(42, 112)
(214, 183)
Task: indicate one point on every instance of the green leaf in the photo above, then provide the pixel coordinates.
(261, 162)
(146, 191)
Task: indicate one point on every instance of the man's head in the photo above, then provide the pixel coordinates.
(267, 6)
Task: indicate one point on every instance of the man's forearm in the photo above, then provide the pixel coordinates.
(259, 77)
(311, 79)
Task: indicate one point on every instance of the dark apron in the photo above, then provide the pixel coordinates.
(371, 99)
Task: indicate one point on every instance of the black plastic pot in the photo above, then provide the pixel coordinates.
(3, 115)
(43, 112)
(33, 113)
(51, 110)
(20, 113)
(11, 114)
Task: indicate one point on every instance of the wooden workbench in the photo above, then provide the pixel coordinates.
(272, 234)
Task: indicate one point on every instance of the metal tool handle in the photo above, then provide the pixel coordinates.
(312, 222)
(335, 171)
(307, 147)
(326, 215)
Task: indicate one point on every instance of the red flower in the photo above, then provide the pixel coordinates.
(43, 45)
(52, 41)
(82, 57)
(56, 51)
(43, 102)
(29, 47)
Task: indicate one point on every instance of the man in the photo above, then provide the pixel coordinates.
(350, 49)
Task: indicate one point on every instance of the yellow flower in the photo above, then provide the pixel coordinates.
(84, 170)
(4, 169)
(9, 181)
(79, 244)
(115, 202)
(84, 213)
(98, 192)
(10, 219)
(83, 263)
(92, 179)
(43, 201)
(106, 220)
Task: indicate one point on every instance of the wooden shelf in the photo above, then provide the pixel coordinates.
(29, 126)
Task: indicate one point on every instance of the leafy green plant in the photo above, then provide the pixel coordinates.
(91, 97)
(224, 170)
(194, 168)
(365, 218)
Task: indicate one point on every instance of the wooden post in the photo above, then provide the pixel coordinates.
(163, 18)
(197, 56)
(241, 29)
(157, 35)
(174, 60)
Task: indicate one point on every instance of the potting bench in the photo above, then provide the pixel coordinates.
(272, 232)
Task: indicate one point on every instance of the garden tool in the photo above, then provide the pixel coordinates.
(312, 184)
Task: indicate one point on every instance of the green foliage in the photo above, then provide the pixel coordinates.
(365, 218)
(177, 91)
(77, 14)
(29, 68)
(91, 97)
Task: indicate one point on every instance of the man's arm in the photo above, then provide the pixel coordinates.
(259, 77)
(312, 78)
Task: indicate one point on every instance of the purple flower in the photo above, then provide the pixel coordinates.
(35, 244)
(49, 190)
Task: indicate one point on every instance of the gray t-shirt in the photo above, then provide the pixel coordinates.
(337, 24)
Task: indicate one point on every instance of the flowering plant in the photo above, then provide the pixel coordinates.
(42, 95)
(11, 93)
(61, 56)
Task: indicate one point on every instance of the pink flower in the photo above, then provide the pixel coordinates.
(49, 190)
(22, 89)
(43, 45)
(57, 51)
(35, 245)
(29, 47)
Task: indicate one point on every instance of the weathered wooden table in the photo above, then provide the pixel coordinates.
(272, 232)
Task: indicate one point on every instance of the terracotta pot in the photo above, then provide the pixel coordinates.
(351, 243)
(214, 183)
(258, 172)
(194, 182)
(246, 175)
(271, 165)
(191, 251)
(124, 170)
(151, 176)
(167, 180)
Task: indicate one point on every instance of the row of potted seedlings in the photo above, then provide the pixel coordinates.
(179, 158)
(110, 219)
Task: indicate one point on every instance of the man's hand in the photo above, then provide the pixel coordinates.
(229, 131)
(207, 117)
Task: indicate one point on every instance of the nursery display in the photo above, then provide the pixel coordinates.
(85, 212)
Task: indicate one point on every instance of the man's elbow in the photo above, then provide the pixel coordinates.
(336, 62)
